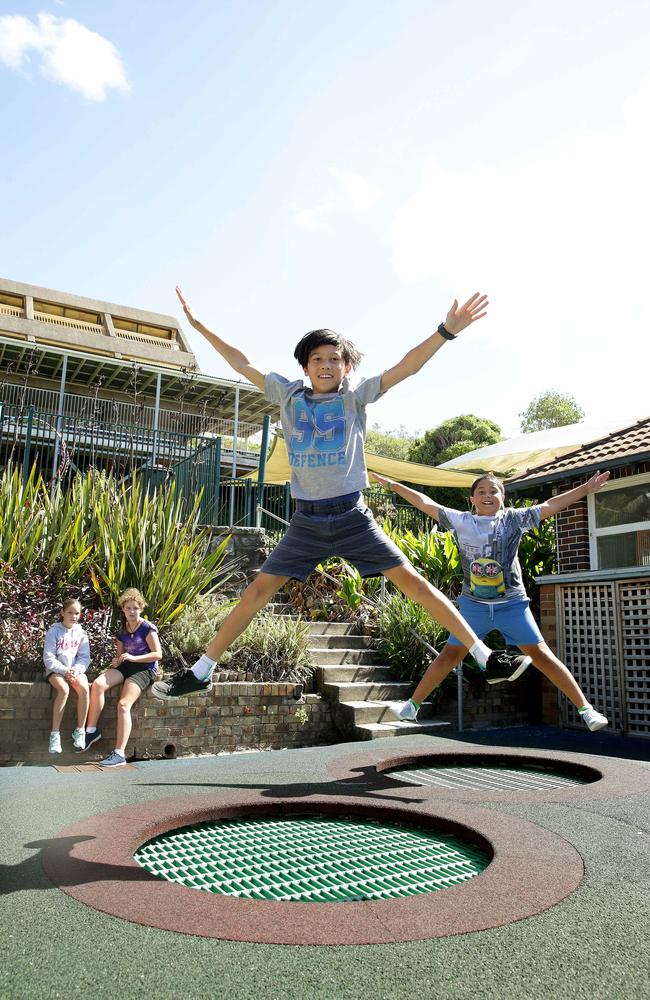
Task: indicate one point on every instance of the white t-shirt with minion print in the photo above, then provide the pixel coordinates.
(488, 546)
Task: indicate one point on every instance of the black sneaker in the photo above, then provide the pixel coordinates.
(92, 738)
(179, 684)
(502, 666)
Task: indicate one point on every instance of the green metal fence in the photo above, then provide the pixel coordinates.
(60, 446)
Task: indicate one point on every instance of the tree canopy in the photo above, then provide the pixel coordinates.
(550, 409)
(454, 437)
(389, 444)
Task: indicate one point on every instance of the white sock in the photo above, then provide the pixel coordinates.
(203, 668)
(481, 653)
(91, 729)
(55, 732)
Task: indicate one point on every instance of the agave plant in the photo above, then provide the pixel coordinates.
(116, 535)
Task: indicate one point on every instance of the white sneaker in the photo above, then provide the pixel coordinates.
(79, 739)
(593, 719)
(55, 743)
(408, 712)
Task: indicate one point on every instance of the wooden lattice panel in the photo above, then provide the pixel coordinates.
(588, 644)
(634, 609)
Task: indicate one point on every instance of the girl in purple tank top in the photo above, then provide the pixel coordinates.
(134, 666)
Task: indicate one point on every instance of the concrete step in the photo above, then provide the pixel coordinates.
(361, 691)
(371, 710)
(381, 730)
(349, 641)
(353, 672)
(337, 657)
(333, 628)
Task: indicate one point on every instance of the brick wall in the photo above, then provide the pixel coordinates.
(233, 716)
(572, 528)
(550, 707)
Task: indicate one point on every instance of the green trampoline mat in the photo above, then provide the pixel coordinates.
(311, 859)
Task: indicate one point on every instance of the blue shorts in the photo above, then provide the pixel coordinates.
(342, 526)
(513, 619)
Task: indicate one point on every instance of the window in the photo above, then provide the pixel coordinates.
(619, 524)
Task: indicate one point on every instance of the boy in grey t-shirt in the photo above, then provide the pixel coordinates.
(324, 426)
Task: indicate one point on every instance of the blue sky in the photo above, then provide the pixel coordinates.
(348, 164)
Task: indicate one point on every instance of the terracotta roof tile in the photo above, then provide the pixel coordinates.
(631, 442)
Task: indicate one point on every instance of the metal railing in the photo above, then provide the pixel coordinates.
(96, 408)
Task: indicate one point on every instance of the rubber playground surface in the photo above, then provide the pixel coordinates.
(560, 911)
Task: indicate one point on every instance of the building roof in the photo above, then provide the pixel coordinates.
(620, 447)
(119, 349)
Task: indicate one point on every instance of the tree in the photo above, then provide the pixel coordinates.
(389, 444)
(550, 409)
(448, 440)
(454, 437)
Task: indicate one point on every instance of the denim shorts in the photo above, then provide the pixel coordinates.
(513, 619)
(342, 526)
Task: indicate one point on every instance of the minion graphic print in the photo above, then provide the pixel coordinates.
(487, 547)
(486, 579)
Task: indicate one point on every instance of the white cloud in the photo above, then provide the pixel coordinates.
(312, 219)
(67, 53)
(356, 191)
(341, 192)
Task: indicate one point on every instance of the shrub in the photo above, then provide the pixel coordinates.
(339, 599)
(272, 648)
(434, 554)
(398, 619)
(111, 535)
(188, 635)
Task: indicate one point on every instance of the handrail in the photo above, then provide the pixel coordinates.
(374, 604)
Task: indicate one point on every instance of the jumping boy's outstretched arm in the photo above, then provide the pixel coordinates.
(552, 506)
(232, 355)
(457, 319)
(418, 500)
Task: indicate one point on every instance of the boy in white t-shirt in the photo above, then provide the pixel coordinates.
(493, 594)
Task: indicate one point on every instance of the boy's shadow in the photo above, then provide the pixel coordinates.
(29, 874)
(365, 783)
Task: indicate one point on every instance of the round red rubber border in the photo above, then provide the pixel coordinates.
(606, 777)
(532, 869)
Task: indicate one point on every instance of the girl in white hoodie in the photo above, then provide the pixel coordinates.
(66, 656)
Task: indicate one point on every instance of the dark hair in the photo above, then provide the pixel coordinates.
(491, 478)
(316, 338)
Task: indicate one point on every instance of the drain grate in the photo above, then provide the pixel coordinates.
(498, 779)
(311, 859)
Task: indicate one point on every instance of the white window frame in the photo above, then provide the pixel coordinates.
(621, 529)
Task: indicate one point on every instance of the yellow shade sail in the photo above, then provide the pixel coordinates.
(278, 470)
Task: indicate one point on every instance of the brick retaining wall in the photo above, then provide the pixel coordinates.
(233, 716)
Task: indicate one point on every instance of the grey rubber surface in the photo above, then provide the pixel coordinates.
(594, 944)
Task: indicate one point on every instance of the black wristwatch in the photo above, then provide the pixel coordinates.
(444, 332)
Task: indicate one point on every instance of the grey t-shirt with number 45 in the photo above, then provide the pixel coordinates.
(324, 434)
